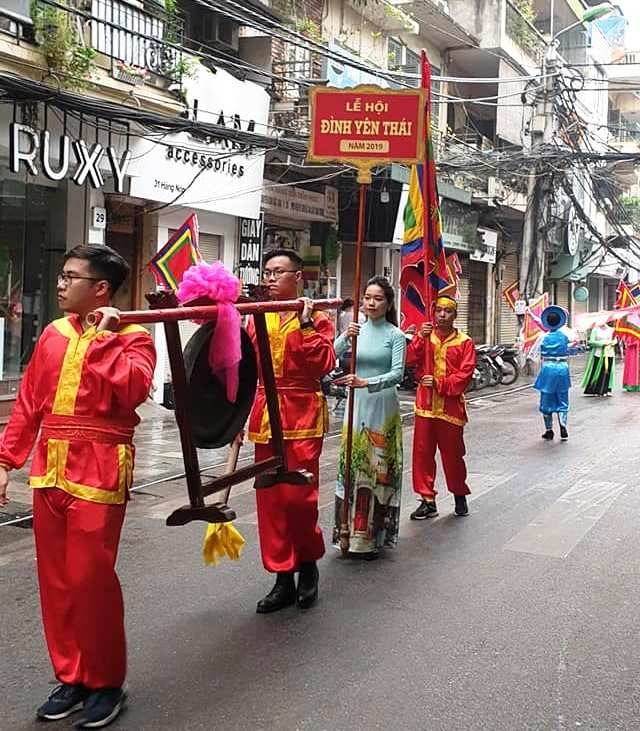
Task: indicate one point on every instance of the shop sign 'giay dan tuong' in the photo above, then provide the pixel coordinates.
(29, 149)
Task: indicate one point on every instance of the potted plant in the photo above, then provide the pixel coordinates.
(130, 73)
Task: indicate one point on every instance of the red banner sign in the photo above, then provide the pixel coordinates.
(366, 126)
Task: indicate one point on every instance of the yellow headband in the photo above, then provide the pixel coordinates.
(445, 301)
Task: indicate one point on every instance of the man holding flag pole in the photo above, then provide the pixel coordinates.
(444, 357)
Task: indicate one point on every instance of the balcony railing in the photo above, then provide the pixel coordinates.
(290, 108)
(137, 38)
(139, 45)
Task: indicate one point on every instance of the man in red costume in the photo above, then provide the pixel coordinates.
(440, 421)
(77, 403)
(302, 352)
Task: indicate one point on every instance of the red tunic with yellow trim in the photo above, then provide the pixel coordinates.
(454, 360)
(301, 356)
(80, 391)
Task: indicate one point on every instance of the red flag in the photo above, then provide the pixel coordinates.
(177, 255)
(454, 270)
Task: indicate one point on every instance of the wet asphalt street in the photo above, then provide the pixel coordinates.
(523, 615)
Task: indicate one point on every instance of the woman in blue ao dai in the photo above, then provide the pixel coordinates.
(376, 463)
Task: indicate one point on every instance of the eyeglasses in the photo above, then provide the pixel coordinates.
(67, 279)
(276, 273)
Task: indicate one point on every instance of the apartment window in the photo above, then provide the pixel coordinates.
(394, 54)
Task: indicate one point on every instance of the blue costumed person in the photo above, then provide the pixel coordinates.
(554, 379)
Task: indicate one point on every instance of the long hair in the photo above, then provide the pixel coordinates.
(390, 296)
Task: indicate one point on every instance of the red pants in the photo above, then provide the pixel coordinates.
(288, 514)
(82, 608)
(448, 438)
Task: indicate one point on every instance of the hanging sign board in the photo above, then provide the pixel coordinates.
(250, 243)
(366, 126)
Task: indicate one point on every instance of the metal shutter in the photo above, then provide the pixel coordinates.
(509, 325)
(210, 248)
(477, 316)
(563, 297)
(462, 320)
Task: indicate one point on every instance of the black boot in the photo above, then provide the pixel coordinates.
(282, 595)
(548, 435)
(461, 505)
(308, 584)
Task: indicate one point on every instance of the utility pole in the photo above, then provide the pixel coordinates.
(543, 130)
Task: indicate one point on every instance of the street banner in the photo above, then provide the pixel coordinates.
(366, 126)
(588, 320)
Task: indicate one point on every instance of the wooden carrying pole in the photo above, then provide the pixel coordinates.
(348, 487)
(210, 312)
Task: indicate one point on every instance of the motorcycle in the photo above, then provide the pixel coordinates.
(331, 388)
(506, 357)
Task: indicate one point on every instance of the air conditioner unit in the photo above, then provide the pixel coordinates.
(217, 30)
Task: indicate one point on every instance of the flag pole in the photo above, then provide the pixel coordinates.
(428, 288)
(346, 480)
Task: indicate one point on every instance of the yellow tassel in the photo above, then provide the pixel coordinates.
(220, 540)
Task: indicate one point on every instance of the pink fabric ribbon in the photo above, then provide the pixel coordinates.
(219, 285)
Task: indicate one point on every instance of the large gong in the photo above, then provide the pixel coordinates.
(214, 420)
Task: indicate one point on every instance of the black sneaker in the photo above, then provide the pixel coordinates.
(548, 435)
(102, 707)
(564, 434)
(63, 701)
(461, 505)
(426, 509)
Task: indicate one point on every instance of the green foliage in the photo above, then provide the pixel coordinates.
(392, 430)
(361, 462)
(309, 28)
(331, 246)
(519, 24)
(631, 205)
(59, 35)
(185, 67)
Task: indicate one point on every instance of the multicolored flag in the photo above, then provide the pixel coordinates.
(424, 262)
(177, 255)
(627, 328)
(511, 294)
(635, 291)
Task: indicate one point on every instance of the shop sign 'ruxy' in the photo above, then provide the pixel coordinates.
(25, 143)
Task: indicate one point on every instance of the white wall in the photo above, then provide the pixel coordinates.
(349, 28)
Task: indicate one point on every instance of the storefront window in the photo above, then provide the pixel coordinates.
(32, 244)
